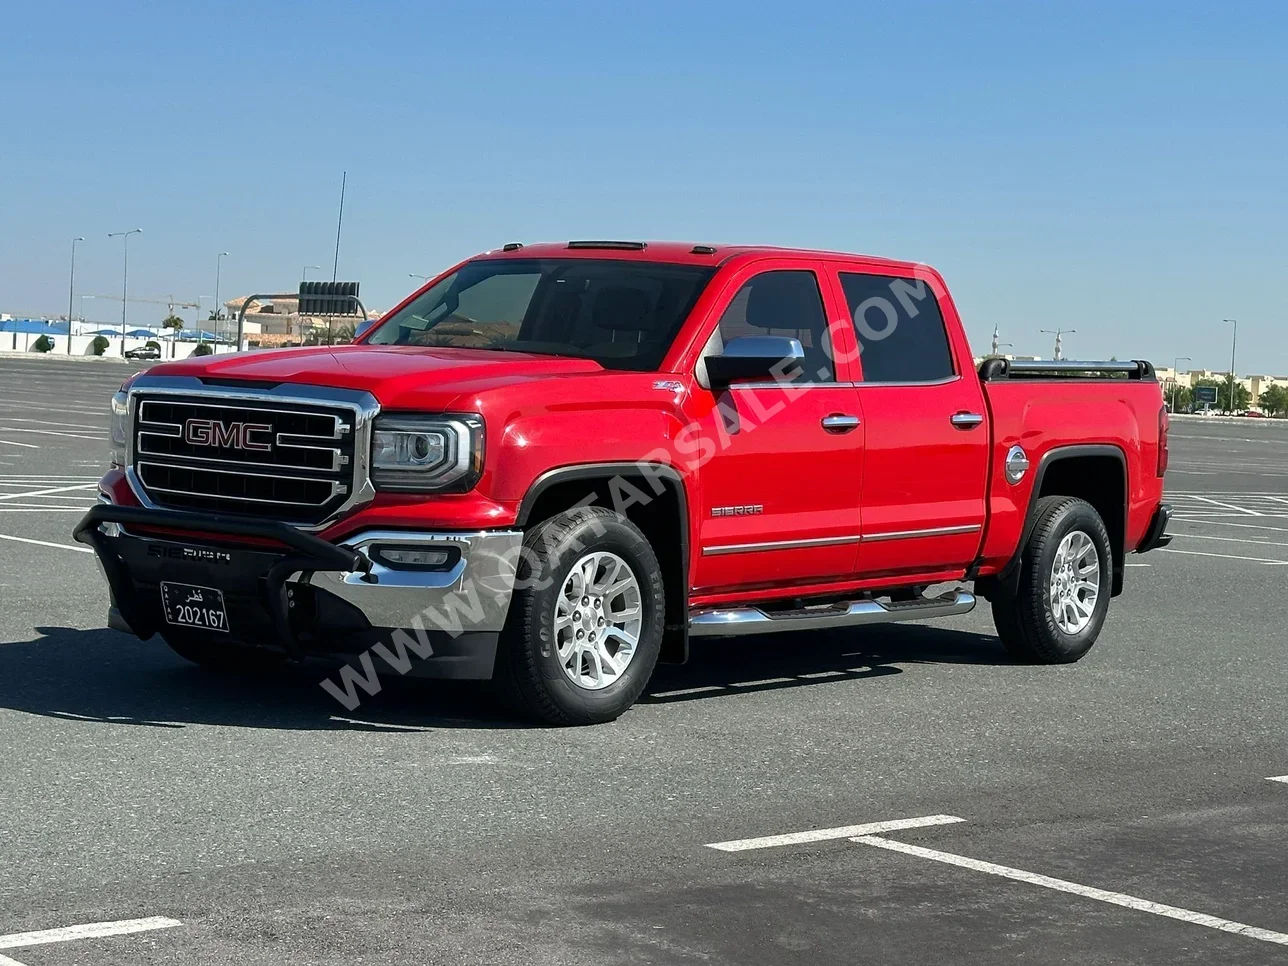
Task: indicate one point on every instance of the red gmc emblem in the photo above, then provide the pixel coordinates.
(211, 432)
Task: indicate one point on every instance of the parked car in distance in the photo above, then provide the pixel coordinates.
(554, 465)
(144, 352)
(1253, 414)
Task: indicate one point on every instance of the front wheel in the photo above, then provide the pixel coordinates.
(585, 626)
(1066, 578)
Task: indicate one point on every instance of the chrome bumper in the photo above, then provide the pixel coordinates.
(471, 595)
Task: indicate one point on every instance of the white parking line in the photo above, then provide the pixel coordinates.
(12, 442)
(45, 543)
(1225, 556)
(1208, 536)
(55, 489)
(89, 930)
(46, 422)
(1227, 506)
(35, 508)
(1241, 526)
(824, 834)
(1089, 892)
(50, 432)
(1279, 778)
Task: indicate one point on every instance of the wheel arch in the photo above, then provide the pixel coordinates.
(664, 519)
(1058, 474)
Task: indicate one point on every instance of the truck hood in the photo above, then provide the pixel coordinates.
(398, 376)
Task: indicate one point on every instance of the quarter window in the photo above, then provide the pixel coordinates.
(899, 328)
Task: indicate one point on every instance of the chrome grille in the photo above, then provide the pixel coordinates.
(284, 461)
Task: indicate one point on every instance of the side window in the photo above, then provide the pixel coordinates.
(786, 303)
(900, 330)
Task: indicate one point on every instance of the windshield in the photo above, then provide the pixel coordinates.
(622, 314)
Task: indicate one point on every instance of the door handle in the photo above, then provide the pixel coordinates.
(966, 420)
(840, 423)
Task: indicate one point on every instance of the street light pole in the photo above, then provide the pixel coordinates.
(71, 295)
(304, 275)
(996, 344)
(1176, 379)
(1234, 342)
(1059, 334)
(218, 265)
(125, 274)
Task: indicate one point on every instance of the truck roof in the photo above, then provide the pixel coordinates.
(684, 253)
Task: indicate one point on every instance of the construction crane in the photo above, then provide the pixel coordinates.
(170, 302)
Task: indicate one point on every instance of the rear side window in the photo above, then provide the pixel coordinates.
(899, 327)
(784, 303)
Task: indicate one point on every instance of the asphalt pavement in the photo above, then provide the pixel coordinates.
(1120, 810)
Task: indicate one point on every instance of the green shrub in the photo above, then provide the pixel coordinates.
(152, 344)
(99, 345)
(202, 350)
(43, 344)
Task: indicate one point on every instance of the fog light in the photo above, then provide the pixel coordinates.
(412, 558)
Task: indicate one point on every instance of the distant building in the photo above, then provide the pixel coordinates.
(277, 322)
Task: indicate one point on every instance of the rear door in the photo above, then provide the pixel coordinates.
(779, 490)
(926, 433)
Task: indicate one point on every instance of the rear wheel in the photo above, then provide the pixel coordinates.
(1066, 578)
(223, 655)
(585, 625)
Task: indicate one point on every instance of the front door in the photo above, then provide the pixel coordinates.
(779, 499)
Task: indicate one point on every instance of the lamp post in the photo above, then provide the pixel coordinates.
(125, 274)
(71, 295)
(218, 265)
(999, 345)
(304, 275)
(200, 335)
(423, 278)
(1059, 335)
(1176, 379)
(1234, 342)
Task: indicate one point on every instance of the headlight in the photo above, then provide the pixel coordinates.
(427, 453)
(119, 431)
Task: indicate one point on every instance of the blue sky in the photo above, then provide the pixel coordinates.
(1114, 168)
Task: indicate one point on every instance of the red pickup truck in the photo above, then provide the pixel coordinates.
(554, 465)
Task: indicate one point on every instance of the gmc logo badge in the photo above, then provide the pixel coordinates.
(211, 432)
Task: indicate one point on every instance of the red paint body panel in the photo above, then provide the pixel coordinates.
(906, 468)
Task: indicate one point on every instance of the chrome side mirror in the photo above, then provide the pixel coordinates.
(754, 357)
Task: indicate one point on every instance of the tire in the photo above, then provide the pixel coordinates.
(221, 656)
(547, 666)
(1036, 627)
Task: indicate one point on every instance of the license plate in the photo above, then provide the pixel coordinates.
(187, 605)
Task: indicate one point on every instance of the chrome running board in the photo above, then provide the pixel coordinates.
(729, 621)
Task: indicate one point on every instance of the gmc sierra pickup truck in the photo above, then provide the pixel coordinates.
(555, 465)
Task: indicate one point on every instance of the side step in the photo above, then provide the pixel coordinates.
(729, 621)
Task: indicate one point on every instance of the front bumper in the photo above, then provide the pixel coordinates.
(296, 592)
(1156, 534)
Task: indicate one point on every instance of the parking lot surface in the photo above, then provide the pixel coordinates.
(973, 810)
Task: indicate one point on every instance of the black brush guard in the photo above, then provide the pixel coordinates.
(307, 553)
